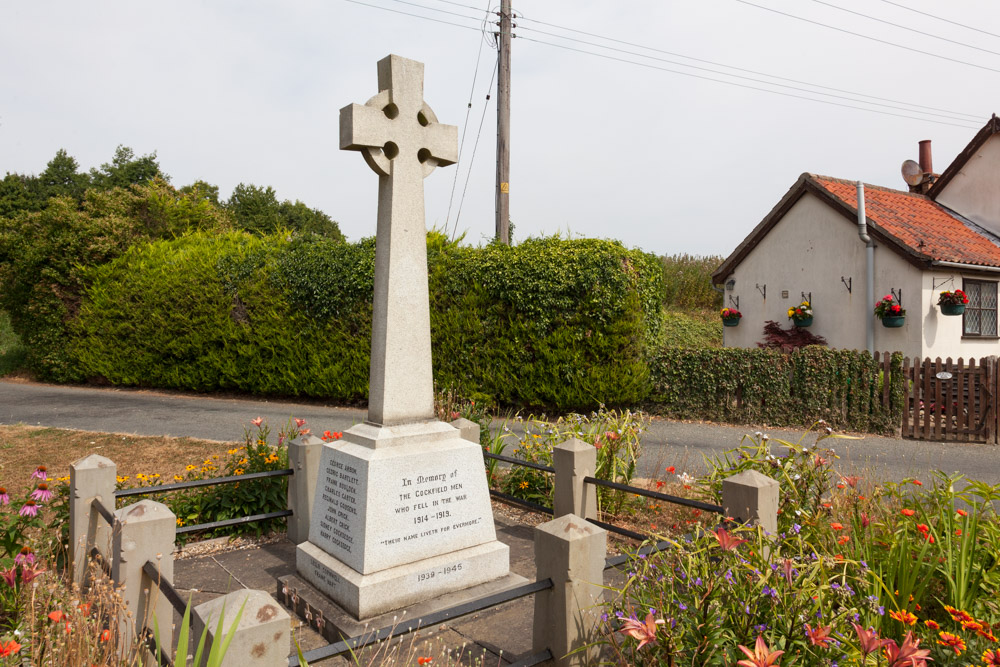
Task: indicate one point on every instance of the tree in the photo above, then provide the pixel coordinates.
(257, 210)
(62, 178)
(126, 169)
(307, 220)
(202, 191)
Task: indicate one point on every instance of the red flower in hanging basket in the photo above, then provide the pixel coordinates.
(888, 307)
(956, 298)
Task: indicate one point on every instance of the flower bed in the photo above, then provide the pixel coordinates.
(860, 573)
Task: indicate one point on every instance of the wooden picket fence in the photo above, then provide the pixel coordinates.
(950, 401)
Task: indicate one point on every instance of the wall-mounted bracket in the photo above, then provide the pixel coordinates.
(762, 290)
(734, 302)
(898, 296)
(935, 284)
(807, 297)
(847, 282)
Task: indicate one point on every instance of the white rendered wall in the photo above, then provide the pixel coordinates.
(943, 333)
(975, 190)
(809, 250)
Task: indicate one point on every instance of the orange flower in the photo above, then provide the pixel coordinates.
(726, 540)
(904, 617)
(990, 658)
(659, 484)
(954, 641)
(907, 512)
(671, 470)
(837, 526)
(55, 616)
(9, 648)
(424, 661)
(932, 625)
(106, 635)
(843, 539)
(918, 482)
(820, 636)
(962, 513)
(761, 655)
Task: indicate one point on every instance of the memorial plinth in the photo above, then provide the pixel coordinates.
(402, 510)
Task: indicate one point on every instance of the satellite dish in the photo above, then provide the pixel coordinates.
(912, 173)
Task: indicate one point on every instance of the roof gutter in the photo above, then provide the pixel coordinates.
(869, 267)
(967, 267)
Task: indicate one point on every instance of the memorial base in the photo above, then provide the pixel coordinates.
(335, 623)
(368, 595)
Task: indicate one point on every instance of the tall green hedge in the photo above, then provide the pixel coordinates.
(549, 322)
(844, 387)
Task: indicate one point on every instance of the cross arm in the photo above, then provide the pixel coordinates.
(362, 127)
(442, 142)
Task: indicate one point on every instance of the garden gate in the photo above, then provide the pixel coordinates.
(950, 401)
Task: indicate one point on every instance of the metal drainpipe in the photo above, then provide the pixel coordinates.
(869, 267)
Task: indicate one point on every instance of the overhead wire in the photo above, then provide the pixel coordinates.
(959, 122)
(465, 125)
(475, 146)
(868, 37)
(917, 11)
(903, 27)
(733, 67)
(947, 115)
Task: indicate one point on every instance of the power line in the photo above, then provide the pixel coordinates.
(868, 37)
(917, 11)
(475, 146)
(743, 85)
(733, 67)
(903, 27)
(949, 115)
(465, 126)
(688, 74)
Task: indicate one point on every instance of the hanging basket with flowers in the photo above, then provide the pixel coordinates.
(890, 312)
(953, 303)
(801, 315)
(730, 317)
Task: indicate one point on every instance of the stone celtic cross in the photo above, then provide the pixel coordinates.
(401, 140)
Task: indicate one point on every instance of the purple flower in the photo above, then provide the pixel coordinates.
(10, 576)
(24, 557)
(796, 528)
(697, 582)
(42, 493)
(4, 498)
(40, 473)
(29, 508)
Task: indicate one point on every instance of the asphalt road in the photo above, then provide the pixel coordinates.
(666, 443)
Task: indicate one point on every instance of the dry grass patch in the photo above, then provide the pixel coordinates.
(23, 448)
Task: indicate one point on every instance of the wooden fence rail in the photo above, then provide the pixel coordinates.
(950, 401)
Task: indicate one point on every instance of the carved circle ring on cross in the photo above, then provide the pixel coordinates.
(380, 159)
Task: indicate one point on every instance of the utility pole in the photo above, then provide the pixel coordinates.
(503, 125)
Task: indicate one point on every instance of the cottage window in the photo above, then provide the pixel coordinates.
(981, 312)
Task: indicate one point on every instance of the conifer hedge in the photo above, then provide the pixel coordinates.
(549, 322)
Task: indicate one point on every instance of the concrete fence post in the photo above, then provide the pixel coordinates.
(260, 639)
(573, 460)
(92, 477)
(469, 430)
(303, 457)
(146, 532)
(752, 498)
(570, 551)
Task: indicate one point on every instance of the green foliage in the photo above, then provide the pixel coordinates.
(550, 322)
(12, 353)
(687, 281)
(126, 169)
(765, 386)
(258, 211)
(691, 330)
(44, 255)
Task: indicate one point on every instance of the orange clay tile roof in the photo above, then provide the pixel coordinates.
(918, 222)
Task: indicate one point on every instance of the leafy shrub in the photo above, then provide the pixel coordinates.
(550, 322)
(691, 330)
(687, 281)
(859, 573)
(788, 340)
(765, 386)
(44, 255)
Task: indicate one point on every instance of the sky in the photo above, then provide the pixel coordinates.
(622, 139)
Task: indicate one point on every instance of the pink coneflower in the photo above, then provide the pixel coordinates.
(40, 473)
(25, 556)
(4, 498)
(29, 508)
(10, 576)
(42, 493)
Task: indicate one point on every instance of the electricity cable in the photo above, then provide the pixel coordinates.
(465, 127)
(917, 11)
(903, 27)
(738, 69)
(868, 37)
(475, 146)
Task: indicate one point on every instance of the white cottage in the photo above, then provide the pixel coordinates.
(943, 234)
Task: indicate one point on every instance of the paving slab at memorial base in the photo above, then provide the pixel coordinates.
(496, 636)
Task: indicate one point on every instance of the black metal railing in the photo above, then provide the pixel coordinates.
(195, 483)
(519, 462)
(527, 504)
(676, 500)
(429, 620)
